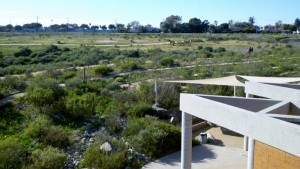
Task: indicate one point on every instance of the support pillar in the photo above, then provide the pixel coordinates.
(246, 139)
(245, 143)
(186, 141)
(250, 161)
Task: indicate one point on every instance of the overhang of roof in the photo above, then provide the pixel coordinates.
(270, 79)
(222, 81)
(233, 81)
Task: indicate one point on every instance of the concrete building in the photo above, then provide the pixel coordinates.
(270, 125)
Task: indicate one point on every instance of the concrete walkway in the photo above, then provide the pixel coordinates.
(205, 157)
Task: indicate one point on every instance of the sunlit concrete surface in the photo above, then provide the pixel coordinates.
(205, 157)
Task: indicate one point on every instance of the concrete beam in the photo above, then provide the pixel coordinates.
(269, 90)
(288, 118)
(261, 127)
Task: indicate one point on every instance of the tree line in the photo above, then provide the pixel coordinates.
(172, 24)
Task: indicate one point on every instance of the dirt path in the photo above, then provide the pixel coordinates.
(75, 44)
(147, 70)
(10, 98)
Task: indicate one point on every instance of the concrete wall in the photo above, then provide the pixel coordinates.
(267, 157)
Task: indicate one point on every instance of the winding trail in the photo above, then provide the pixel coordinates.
(10, 98)
(76, 44)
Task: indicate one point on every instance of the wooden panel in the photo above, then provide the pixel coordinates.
(267, 157)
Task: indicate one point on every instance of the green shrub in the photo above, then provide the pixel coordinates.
(38, 128)
(23, 52)
(134, 53)
(52, 48)
(113, 122)
(140, 110)
(12, 154)
(103, 70)
(95, 158)
(57, 137)
(151, 137)
(81, 106)
(39, 96)
(220, 49)
(208, 49)
(199, 47)
(127, 66)
(70, 75)
(43, 95)
(166, 62)
(48, 158)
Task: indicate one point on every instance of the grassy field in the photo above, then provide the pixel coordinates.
(67, 117)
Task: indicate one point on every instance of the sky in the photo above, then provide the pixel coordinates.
(104, 12)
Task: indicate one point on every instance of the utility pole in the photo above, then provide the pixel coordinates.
(84, 75)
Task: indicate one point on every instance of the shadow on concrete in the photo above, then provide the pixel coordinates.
(216, 142)
(199, 154)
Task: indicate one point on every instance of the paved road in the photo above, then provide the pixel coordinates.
(205, 157)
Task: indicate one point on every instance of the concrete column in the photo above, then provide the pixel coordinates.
(186, 141)
(245, 143)
(250, 161)
(246, 140)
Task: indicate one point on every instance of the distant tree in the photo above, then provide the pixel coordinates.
(224, 27)
(278, 24)
(289, 27)
(8, 28)
(94, 28)
(216, 23)
(230, 22)
(251, 20)
(135, 25)
(205, 25)
(111, 27)
(142, 29)
(35, 26)
(170, 23)
(195, 25)
(120, 27)
(18, 28)
(212, 28)
(103, 27)
(84, 26)
(63, 27)
(54, 27)
(297, 22)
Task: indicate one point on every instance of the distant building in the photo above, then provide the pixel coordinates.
(270, 28)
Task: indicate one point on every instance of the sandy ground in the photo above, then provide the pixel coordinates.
(217, 137)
